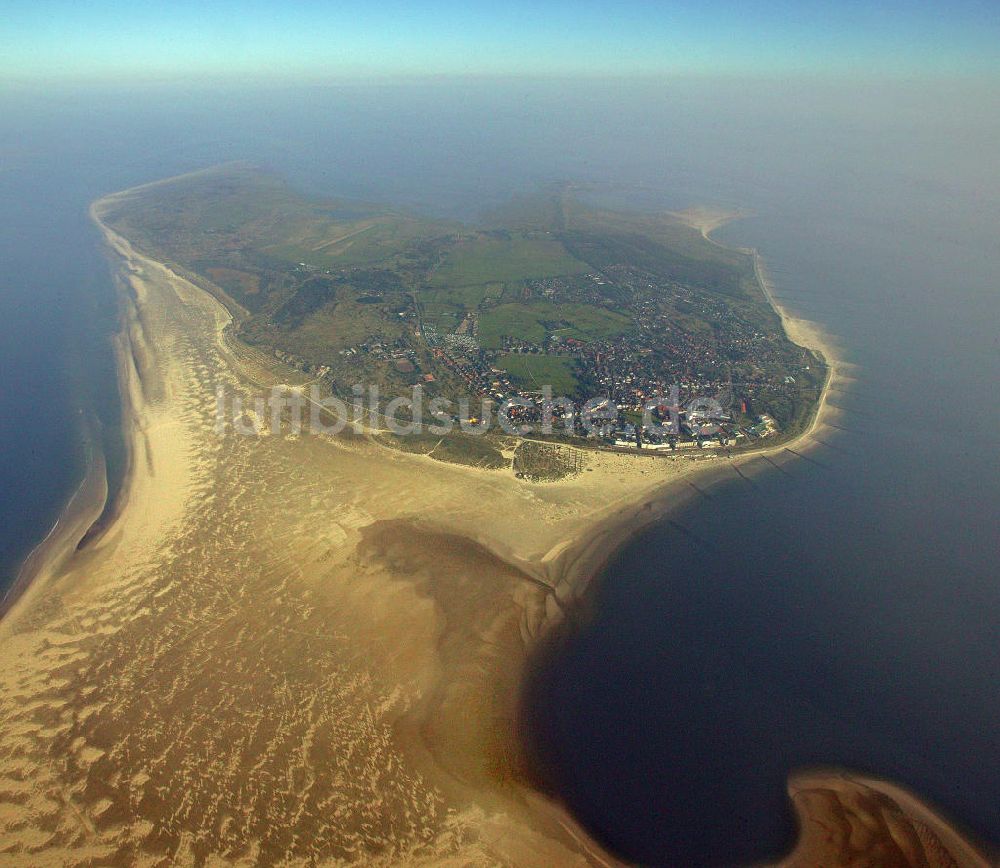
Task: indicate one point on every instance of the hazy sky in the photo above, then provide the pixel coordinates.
(84, 39)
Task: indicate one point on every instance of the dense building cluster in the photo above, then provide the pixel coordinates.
(659, 370)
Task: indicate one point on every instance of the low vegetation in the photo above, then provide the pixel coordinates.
(546, 462)
(455, 447)
(531, 372)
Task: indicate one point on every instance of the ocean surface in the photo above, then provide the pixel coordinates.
(841, 611)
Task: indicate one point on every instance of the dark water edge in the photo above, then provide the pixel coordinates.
(839, 611)
(60, 405)
(584, 722)
(669, 711)
(59, 395)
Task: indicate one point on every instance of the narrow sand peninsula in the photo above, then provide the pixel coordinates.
(849, 819)
(293, 649)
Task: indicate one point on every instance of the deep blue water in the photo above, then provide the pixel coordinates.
(58, 385)
(56, 369)
(843, 614)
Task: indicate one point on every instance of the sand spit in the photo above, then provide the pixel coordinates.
(849, 819)
(707, 219)
(284, 648)
(79, 515)
(293, 649)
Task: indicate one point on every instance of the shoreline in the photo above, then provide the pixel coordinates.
(67, 534)
(56, 568)
(915, 832)
(919, 830)
(616, 530)
(565, 566)
(579, 579)
(92, 509)
(359, 544)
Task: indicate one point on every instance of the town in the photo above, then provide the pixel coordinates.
(668, 387)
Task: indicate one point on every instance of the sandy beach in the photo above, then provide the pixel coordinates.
(302, 649)
(851, 819)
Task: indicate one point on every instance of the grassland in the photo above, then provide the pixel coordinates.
(325, 242)
(446, 306)
(239, 214)
(235, 281)
(465, 297)
(531, 371)
(661, 243)
(532, 321)
(454, 448)
(513, 258)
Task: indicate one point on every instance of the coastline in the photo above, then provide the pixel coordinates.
(899, 826)
(829, 804)
(204, 574)
(577, 579)
(564, 564)
(92, 511)
(615, 531)
(73, 589)
(67, 534)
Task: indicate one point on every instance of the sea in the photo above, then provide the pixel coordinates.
(837, 610)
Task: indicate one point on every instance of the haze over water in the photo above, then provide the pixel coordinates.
(841, 613)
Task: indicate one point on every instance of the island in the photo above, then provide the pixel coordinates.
(571, 321)
(283, 645)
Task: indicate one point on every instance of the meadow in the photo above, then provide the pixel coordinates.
(532, 371)
(531, 321)
(486, 258)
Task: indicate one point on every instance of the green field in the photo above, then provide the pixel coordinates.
(466, 297)
(531, 371)
(528, 322)
(324, 242)
(239, 213)
(484, 259)
(446, 306)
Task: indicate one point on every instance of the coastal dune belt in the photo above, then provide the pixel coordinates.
(309, 649)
